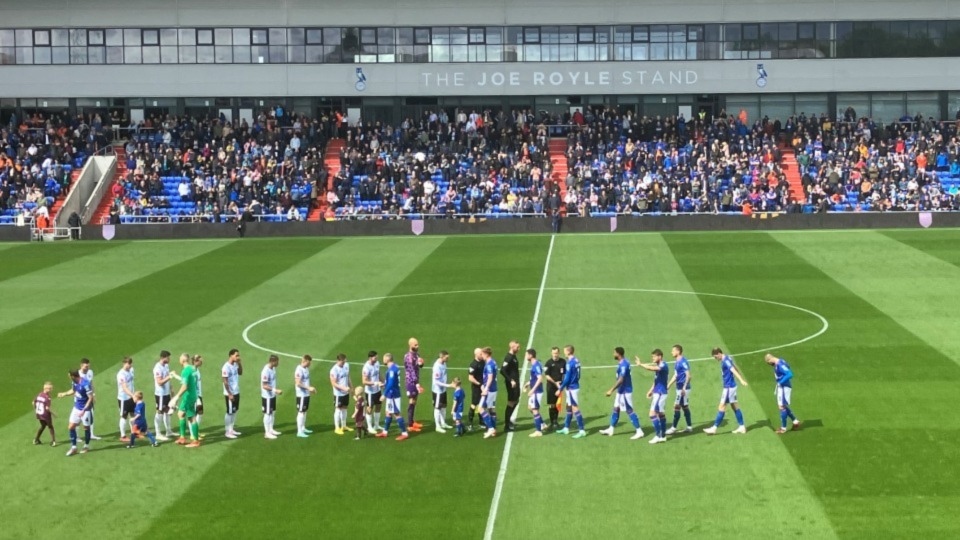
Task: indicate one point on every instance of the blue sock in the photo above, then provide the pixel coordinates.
(656, 425)
(73, 437)
(566, 421)
(719, 419)
(386, 426)
(538, 421)
(133, 438)
(615, 418)
(663, 425)
(579, 420)
(783, 419)
(402, 424)
(86, 436)
(153, 440)
(634, 420)
(790, 413)
(686, 415)
(739, 414)
(676, 418)
(485, 419)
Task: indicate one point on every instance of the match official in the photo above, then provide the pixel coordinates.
(475, 374)
(555, 369)
(511, 374)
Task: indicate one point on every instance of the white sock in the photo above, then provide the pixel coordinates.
(376, 419)
(233, 422)
(197, 421)
(437, 418)
(123, 429)
(266, 424)
(157, 423)
(301, 422)
(91, 430)
(226, 423)
(273, 419)
(336, 419)
(369, 418)
(166, 423)
(343, 417)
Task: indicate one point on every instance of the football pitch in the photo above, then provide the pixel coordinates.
(867, 320)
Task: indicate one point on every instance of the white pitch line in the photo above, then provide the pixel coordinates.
(505, 460)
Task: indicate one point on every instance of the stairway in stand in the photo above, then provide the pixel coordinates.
(103, 208)
(558, 160)
(331, 159)
(58, 203)
(791, 169)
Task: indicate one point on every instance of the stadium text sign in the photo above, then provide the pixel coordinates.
(559, 78)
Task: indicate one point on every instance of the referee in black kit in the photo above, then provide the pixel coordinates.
(555, 370)
(475, 374)
(511, 374)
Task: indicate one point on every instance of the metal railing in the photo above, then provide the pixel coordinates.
(51, 234)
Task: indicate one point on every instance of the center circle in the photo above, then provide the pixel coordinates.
(824, 324)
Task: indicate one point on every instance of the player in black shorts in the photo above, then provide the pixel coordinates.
(555, 369)
(511, 375)
(475, 374)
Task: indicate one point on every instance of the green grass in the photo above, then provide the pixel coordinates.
(877, 390)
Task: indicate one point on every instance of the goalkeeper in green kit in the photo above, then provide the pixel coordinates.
(186, 400)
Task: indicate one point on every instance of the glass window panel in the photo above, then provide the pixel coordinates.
(188, 55)
(660, 33)
(953, 104)
(603, 52)
(476, 36)
(296, 36)
(7, 39)
(711, 32)
(751, 32)
(514, 35)
(95, 37)
(24, 39)
(678, 51)
(811, 104)
(78, 55)
(568, 34)
(223, 36)
(205, 37)
(602, 34)
(805, 31)
(60, 37)
(658, 51)
(622, 34)
(41, 37)
(332, 36)
(900, 28)
(24, 55)
(585, 34)
(695, 32)
(151, 55)
(331, 54)
(732, 32)
(422, 36)
(924, 103)
(314, 54)
(259, 36)
(188, 36)
(385, 52)
(296, 54)
(96, 55)
(386, 36)
(368, 36)
(586, 53)
(405, 36)
(168, 55)
(549, 35)
(60, 55)
(887, 106)
(494, 35)
(769, 32)
(241, 54)
(458, 35)
(531, 35)
(531, 53)
(439, 53)
(168, 36)
(41, 55)
(937, 29)
(787, 31)
(278, 36)
(458, 53)
(622, 51)
(476, 53)
(131, 36)
(642, 33)
(678, 33)
(222, 54)
(776, 106)
(205, 54)
(568, 53)
(314, 36)
(259, 54)
(843, 30)
(641, 51)
(494, 53)
(8, 56)
(131, 55)
(278, 54)
(151, 37)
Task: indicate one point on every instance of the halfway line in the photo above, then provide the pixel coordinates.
(502, 473)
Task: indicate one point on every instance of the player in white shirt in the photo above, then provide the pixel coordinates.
(371, 386)
(340, 381)
(231, 372)
(440, 391)
(87, 374)
(301, 381)
(161, 391)
(125, 390)
(268, 396)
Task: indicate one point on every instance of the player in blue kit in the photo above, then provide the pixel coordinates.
(458, 397)
(657, 394)
(624, 398)
(784, 377)
(391, 394)
(83, 399)
(138, 424)
(681, 378)
(535, 391)
(728, 370)
(488, 393)
(571, 388)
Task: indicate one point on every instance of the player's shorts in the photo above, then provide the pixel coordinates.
(623, 402)
(188, 406)
(552, 394)
(199, 405)
(268, 405)
(682, 400)
(729, 395)
(140, 428)
(373, 400)
(783, 395)
(439, 400)
(393, 405)
(475, 394)
(341, 402)
(458, 416)
(303, 403)
(126, 407)
(80, 417)
(163, 403)
(412, 390)
(488, 401)
(657, 403)
(513, 394)
(572, 397)
(233, 405)
(533, 402)
(46, 420)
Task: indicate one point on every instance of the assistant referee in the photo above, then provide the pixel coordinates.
(511, 374)
(475, 374)
(555, 369)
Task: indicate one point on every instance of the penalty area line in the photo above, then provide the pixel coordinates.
(505, 460)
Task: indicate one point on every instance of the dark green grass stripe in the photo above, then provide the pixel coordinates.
(135, 315)
(862, 345)
(938, 243)
(20, 260)
(432, 485)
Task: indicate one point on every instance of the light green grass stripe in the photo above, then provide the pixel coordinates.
(123, 491)
(42, 292)
(693, 485)
(914, 288)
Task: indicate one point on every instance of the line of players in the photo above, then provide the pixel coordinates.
(559, 379)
